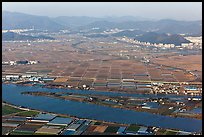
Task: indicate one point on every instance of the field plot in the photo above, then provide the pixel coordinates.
(28, 113)
(182, 77)
(142, 78)
(29, 127)
(9, 110)
(132, 129)
(102, 76)
(6, 130)
(183, 62)
(91, 128)
(49, 130)
(90, 74)
(114, 75)
(88, 82)
(155, 74)
(100, 129)
(94, 62)
(79, 72)
(98, 83)
(63, 79)
(111, 129)
(199, 76)
(114, 83)
(15, 132)
(168, 77)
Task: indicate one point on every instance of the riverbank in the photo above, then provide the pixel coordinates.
(91, 111)
(110, 128)
(61, 115)
(127, 103)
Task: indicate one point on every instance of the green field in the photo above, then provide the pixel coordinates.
(21, 133)
(5, 130)
(97, 123)
(42, 134)
(111, 129)
(170, 133)
(161, 132)
(29, 113)
(9, 110)
(133, 128)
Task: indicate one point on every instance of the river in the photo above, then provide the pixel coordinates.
(12, 94)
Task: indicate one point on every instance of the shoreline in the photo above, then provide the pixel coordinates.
(137, 109)
(59, 114)
(83, 117)
(94, 90)
(171, 115)
(74, 117)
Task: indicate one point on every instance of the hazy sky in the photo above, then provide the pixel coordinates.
(155, 10)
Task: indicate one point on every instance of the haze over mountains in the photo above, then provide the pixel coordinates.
(14, 20)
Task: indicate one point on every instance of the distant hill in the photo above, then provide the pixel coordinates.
(128, 33)
(100, 24)
(162, 26)
(75, 21)
(162, 38)
(11, 36)
(14, 20)
(97, 36)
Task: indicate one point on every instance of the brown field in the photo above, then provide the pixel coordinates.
(91, 128)
(100, 129)
(49, 129)
(72, 98)
(190, 62)
(64, 79)
(62, 59)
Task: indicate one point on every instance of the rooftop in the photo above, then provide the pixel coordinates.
(60, 121)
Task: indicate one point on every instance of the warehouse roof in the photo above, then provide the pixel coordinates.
(60, 121)
(45, 117)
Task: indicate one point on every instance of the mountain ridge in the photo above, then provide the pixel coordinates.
(16, 20)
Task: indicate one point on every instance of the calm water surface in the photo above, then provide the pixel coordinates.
(12, 94)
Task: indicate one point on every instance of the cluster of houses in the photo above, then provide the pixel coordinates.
(20, 62)
(192, 45)
(33, 77)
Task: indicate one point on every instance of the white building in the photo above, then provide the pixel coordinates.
(12, 77)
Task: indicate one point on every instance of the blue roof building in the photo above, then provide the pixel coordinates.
(68, 132)
(60, 121)
(121, 130)
(44, 117)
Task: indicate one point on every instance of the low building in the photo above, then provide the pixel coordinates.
(68, 132)
(34, 79)
(48, 79)
(184, 133)
(9, 125)
(22, 62)
(33, 62)
(55, 130)
(12, 77)
(12, 62)
(43, 117)
(73, 127)
(142, 130)
(60, 121)
(80, 121)
(121, 130)
(26, 76)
